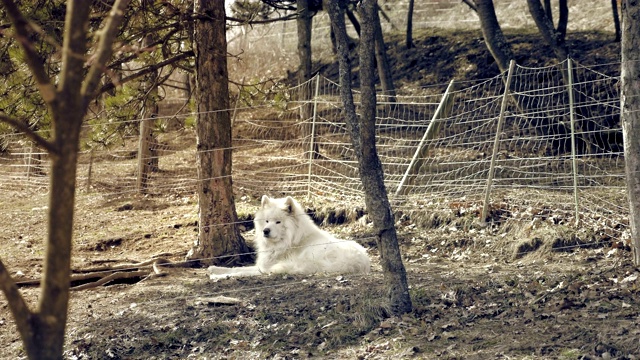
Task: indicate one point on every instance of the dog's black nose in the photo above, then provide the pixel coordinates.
(266, 232)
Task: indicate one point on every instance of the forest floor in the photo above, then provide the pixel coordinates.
(472, 298)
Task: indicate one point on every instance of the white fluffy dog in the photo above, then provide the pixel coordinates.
(288, 242)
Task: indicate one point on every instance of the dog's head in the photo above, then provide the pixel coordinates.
(276, 219)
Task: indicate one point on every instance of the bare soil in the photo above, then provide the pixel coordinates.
(473, 297)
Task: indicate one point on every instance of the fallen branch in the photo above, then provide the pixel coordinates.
(139, 265)
(73, 278)
(114, 276)
(149, 269)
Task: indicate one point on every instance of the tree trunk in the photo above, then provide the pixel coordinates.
(339, 28)
(42, 331)
(363, 140)
(146, 147)
(553, 38)
(548, 10)
(219, 241)
(382, 60)
(630, 105)
(304, 23)
(616, 20)
(492, 34)
(563, 19)
(50, 322)
(409, 36)
(370, 167)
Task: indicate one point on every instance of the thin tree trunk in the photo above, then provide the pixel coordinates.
(304, 25)
(53, 306)
(630, 105)
(409, 36)
(42, 331)
(344, 69)
(563, 19)
(363, 140)
(548, 10)
(219, 239)
(147, 152)
(371, 171)
(145, 141)
(553, 38)
(616, 20)
(382, 60)
(492, 34)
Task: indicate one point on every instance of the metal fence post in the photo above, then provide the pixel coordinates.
(432, 129)
(574, 164)
(496, 144)
(313, 132)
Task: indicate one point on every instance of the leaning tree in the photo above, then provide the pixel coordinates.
(362, 132)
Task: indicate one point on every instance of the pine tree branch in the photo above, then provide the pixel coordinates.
(33, 59)
(251, 22)
(23, 127)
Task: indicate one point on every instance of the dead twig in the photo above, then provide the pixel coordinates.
(114, 276)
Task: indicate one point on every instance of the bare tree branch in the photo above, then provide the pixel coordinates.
(471, 4)
(33, 59)
(23, 127)
(19, 308)
(147, 70)
(104, 50)
(253, 22)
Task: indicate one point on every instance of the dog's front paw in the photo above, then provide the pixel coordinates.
(216, 277)
(217, 270)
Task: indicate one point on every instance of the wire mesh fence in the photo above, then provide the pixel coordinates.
(549, 145)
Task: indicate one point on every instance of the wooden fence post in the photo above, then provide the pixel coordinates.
(442, 112)
(496, 145)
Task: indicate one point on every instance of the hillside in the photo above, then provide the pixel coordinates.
(441, 55)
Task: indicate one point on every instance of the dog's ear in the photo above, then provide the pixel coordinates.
(290, 204)
(264, 201)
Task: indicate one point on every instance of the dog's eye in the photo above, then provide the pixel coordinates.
(277, 222)
(266, 221)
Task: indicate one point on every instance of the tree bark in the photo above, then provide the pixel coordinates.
(42, 331)
(382, 60)
(492, 34)
(616, 20)
(409, 36)
(563, 19)
(146, 147)
(630, 105)
(363, 139)
(553, 38)
(304, 24)
(219, 241)
(548, 10)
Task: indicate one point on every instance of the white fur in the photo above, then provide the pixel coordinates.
(288, 242)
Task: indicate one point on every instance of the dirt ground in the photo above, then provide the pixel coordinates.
(471, 299)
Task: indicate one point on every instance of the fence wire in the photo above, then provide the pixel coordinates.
(552, 156)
